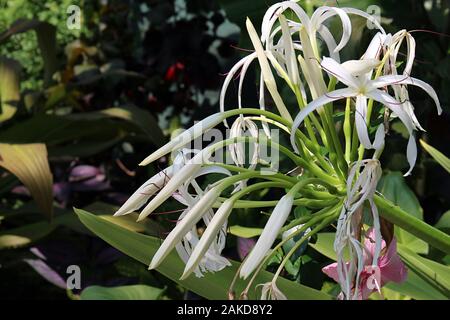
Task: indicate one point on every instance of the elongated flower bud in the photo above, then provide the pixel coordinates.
(187, 136)
(208, 237)
(193, 216)
(188, 171)
(276, 221)
(149, 188)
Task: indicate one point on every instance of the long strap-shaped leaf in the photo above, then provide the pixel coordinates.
(29, 163)
(211, 286)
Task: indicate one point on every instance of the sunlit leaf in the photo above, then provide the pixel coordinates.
(211, 286)
(133, 292)
(29, 163)
(26, 235)
(244, 232)
(9, 88)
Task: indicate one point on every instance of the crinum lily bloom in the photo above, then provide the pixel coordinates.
(356, 75)
(388, 267)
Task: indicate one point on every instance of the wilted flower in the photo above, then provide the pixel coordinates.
(270, 291)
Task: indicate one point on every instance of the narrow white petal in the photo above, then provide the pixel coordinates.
(323, 13)
(384, 81)
(366, 16)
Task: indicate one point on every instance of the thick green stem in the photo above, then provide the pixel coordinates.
(420, 229)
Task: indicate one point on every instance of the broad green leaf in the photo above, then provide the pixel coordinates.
(394, 188)
(324, 245)
(444, 223)
(9, 88)
(436, 274)
(414, 286)
(211, 286)
(29, 163)
(437, 155)
(133, 292)
(245, 232)
(23, 236)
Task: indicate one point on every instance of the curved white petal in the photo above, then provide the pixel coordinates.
(323, 13)
(366, 16)
(401, 79)
(395, 106)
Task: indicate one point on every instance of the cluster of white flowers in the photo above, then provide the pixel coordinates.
(303, 52)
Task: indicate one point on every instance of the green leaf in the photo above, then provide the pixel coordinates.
(437, 155)
(9, 88)
(245, 232)
(436, 274)
(23, 236)
(134, 292)
(29, 163)
(394, 188)
(324, 245)
(211, 286)
(444, 223)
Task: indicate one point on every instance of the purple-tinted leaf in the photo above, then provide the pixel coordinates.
(46, 272)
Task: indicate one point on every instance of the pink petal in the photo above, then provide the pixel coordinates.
(331, 271)
(391, 266)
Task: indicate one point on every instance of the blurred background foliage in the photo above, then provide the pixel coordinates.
(81, 108)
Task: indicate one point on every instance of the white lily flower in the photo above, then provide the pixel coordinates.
(277, 219)
(270, 291)
(363, 88)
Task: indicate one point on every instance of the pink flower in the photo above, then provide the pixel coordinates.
(372, 278)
